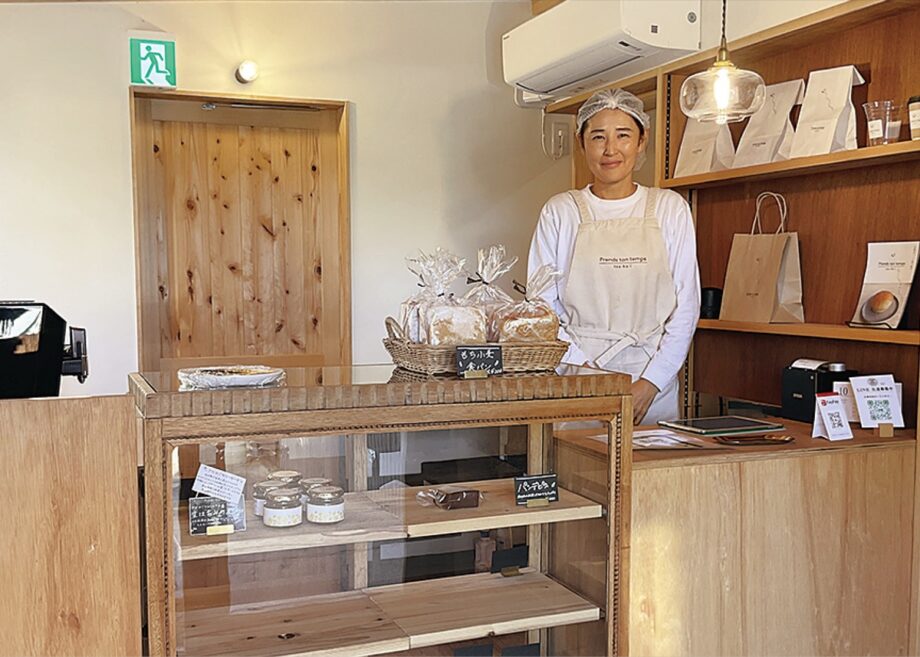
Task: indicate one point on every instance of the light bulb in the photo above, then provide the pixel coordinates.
(721, 89)
(247, 71)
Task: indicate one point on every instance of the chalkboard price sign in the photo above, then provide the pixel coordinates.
(535, 487)
(480, 358)
(210, 515)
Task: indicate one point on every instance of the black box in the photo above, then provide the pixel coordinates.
(801, 384)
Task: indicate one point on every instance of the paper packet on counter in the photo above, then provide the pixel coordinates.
(493, 263)
(530, 320)
(446, 320)
(449, 497)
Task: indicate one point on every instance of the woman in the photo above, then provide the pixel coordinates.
(629, 295)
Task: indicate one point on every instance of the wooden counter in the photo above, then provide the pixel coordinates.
(796, 549)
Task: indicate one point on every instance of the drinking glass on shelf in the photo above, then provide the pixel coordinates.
(884, 121)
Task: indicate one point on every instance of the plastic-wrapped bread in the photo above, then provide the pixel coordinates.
(493, 263)
(531, 320)
(444, 319)
(409, 310)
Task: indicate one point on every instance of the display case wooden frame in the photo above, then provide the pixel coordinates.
(168, 420)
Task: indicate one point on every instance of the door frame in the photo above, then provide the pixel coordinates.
(146, 236)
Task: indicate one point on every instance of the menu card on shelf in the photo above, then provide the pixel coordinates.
(830, 418)
(890, 268)
(877, 401)
(218, 483)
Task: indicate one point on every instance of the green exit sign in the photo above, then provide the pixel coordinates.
(153, 60)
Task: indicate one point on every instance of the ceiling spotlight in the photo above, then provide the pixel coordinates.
(247, 71)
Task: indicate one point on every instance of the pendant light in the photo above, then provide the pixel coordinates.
(722, 93)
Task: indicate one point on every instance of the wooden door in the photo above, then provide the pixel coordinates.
(242, 232)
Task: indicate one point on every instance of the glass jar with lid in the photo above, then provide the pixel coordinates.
(287, 477)
(326, 504)
(283, 507)
(312, 482)
(260, 493)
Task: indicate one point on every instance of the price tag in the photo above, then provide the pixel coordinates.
(210, 516)
(530, 488)
(480, 358)
(218, 483)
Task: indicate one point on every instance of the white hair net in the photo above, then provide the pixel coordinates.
(613, 99)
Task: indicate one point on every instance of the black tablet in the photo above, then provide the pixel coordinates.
(722, 425)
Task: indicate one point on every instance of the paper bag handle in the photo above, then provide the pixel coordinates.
(783, 212)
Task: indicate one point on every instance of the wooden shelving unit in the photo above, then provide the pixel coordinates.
(389, 514)
(389, 619)
(824, 331)
(843, 160)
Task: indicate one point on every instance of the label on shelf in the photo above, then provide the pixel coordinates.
(218, 483)
(208, 516)
(479, 358)
(875, 129)
(535, 487)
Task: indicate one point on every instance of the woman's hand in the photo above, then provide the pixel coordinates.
(643, 394)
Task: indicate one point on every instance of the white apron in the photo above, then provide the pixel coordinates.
(619, 295)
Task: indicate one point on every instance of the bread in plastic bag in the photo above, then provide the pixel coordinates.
(446, 320)
(530, 320)
(492, 264)
(409, 310)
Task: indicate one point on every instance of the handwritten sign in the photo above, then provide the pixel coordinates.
(535, 487)
(486, 359)
(208, 516)
(218, 483)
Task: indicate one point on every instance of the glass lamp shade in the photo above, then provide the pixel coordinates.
(722, 93)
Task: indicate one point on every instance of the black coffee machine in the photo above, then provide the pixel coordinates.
(33, 355)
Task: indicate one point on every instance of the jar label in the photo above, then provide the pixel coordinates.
(915, 118)
(320, 513)
(875, 129)
(282, 517)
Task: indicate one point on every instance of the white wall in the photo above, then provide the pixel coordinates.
(440, 155)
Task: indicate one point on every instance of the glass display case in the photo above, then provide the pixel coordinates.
(379, 513)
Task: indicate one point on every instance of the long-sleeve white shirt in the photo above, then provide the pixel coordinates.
(554, 244)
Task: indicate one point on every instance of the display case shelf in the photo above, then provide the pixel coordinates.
(390, 618)
(860, 157)
(388, 514)
(824, 331)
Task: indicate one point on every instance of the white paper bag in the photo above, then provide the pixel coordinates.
(827, 123)
(768, 135)
(704, 147)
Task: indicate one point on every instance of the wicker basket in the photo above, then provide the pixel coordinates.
(429, 360)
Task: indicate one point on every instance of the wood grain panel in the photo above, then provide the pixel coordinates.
(685, 579)
(225, 239)
(830, 533)
(71, 567)
(731, 370)
(835, 216)
(235, 224)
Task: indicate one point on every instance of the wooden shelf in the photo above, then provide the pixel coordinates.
(387, 619)
(824, 331)
(861, 157)
(384, 515)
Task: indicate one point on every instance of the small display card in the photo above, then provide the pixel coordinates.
(210, 516)
(218, 483)
(877, 401)
(845, 390)
(535, 487)
(890, 268)
(830, 418)
(487, 359)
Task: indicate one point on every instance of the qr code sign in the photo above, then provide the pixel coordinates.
(879, 410)
(836, 420)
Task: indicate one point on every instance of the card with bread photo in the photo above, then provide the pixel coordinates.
(890, 269)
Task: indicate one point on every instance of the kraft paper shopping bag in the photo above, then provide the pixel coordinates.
(763, 282)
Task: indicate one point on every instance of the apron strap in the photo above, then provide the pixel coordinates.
(650, 202)
(582, 204)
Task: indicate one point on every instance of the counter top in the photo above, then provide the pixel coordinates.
(157, 394)
(803, 444)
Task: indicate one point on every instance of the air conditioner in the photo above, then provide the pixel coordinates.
(582, 44)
